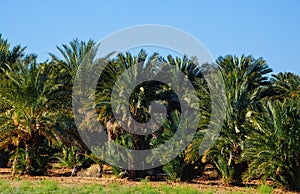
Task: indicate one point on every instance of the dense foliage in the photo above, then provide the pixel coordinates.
(260, 137)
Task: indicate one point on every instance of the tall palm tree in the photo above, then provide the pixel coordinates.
(139, 99)
(9, 58)
(63, 71)
(29, 115)
(143, 95)
(246, 83)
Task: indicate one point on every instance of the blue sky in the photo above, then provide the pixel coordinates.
(268, 29)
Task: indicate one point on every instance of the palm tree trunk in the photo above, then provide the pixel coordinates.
(14, 166)
(27, 159)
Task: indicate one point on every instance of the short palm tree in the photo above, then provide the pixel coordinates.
(272, 149)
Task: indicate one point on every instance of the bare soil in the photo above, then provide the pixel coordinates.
(62, 175)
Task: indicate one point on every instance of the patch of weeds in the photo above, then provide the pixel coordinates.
(264, 189)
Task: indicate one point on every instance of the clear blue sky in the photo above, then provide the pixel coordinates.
(263, 28)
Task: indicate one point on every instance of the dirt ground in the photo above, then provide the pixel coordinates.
(62, 176)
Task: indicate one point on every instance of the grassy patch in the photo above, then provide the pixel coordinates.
(53, 186)
(265, 189)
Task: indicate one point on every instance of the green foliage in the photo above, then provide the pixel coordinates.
(272, 149)
(225, 170)
(39, 160)
(173, 169)
(285, 85)
(18, 161)
(259, 138)
(116, 170)
(27, 118)
(178, 170)
(245, 85)
(9, 57)
(265, 189)
(67, 157)
(48, 186)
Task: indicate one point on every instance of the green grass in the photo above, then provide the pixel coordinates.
(265, 189)
(51, 186)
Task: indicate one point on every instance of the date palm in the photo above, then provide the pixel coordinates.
(272, 149)
(63, 71)
(138, 100)
(28, 116)
(9, 56)
(142, 95)
(285, 85)
(73, 55)
(246, 83)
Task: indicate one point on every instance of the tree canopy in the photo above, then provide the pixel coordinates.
(259, 138)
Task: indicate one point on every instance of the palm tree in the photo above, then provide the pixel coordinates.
(63, 71)
(285, 85)
(143, 95)
(9, 57)
(28, 116)
(109, 76)
(246, 83)
(74, 55)
(140, 97)
(138, 105)
(272, 149)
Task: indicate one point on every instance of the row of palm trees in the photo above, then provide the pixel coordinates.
(259, 137)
